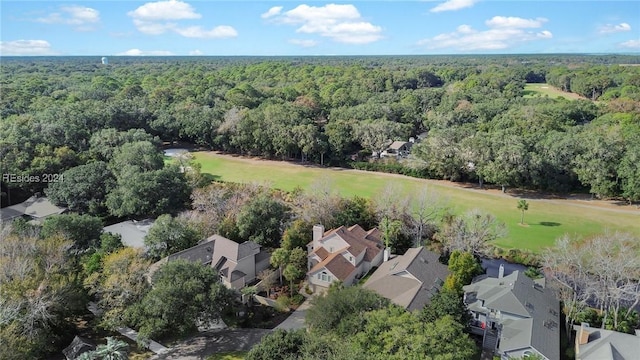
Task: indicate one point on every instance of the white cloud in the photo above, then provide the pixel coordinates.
(25, 47)
(544, 34)
(138, 52)
(195, 52)
(218, 32)
(452, 5)
(611, 28)
(631, 44)
(153, 28)
(272, 12)
(81, 17)
(303, 42)
(341, 23)
(514, 22)
(156, 18)
(164, 10)
(502, 33)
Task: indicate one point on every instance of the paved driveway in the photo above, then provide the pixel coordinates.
(211, 342)
(296, 319)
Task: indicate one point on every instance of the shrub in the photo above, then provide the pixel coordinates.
(282, 303)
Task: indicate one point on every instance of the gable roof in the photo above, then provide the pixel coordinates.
(78, 346)
(219, 252)
(396, 145)
(231, 249)
(35, 207)
(520, 295)
(201, 253)
(132, 232)
(409, 280)
(607, 345)
(339, 266)
(358, 241)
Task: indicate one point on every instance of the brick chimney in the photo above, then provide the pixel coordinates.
(583, 335)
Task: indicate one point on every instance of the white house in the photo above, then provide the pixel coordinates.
(342, 254)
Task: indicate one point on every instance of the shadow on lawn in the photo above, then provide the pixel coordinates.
(549, 223)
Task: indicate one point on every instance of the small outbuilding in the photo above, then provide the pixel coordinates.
(78, 346)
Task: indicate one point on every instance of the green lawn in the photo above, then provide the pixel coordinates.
(533, 90)
(546, 221)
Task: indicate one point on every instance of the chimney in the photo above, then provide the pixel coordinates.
(318, 233)
(385, 255)
(501, 271)
(583, 334)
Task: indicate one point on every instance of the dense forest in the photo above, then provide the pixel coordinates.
(471, 112)
(101, 129)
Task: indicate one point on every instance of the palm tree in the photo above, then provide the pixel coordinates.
(115, 349)
(523, 206)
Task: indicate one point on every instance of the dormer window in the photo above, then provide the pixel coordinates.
(351, 258)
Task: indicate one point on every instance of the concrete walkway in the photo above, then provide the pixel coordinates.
(296, 319)
(155, 347)
(205, 344)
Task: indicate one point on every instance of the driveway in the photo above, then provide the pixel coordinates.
(211, 342)
(296, 319)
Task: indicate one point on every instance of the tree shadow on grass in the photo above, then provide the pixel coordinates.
(549, 223)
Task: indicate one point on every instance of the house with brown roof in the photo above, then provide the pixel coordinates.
(342, 254)
(409, 280)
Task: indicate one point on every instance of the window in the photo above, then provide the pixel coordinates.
(351, 258)
(324, 276)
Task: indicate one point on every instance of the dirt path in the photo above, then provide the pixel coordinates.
(577, 200)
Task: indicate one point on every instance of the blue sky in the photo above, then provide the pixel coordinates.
(208, 27)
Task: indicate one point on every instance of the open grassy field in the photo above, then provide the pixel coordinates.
(546, 219)
(533, 90)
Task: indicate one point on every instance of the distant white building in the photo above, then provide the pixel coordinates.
(105, 61)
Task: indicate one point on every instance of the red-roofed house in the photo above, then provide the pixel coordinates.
(342, 254)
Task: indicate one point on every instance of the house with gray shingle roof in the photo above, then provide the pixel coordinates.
(35, 208)
(236, 263)
(342, 254)
(132, 232)
(409, 280)
(601, 344)
(515, 315)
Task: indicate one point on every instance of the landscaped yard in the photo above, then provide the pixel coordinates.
(546, 219)
(534, 90)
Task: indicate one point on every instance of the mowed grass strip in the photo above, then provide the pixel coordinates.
(534, 90)
(545, 220)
